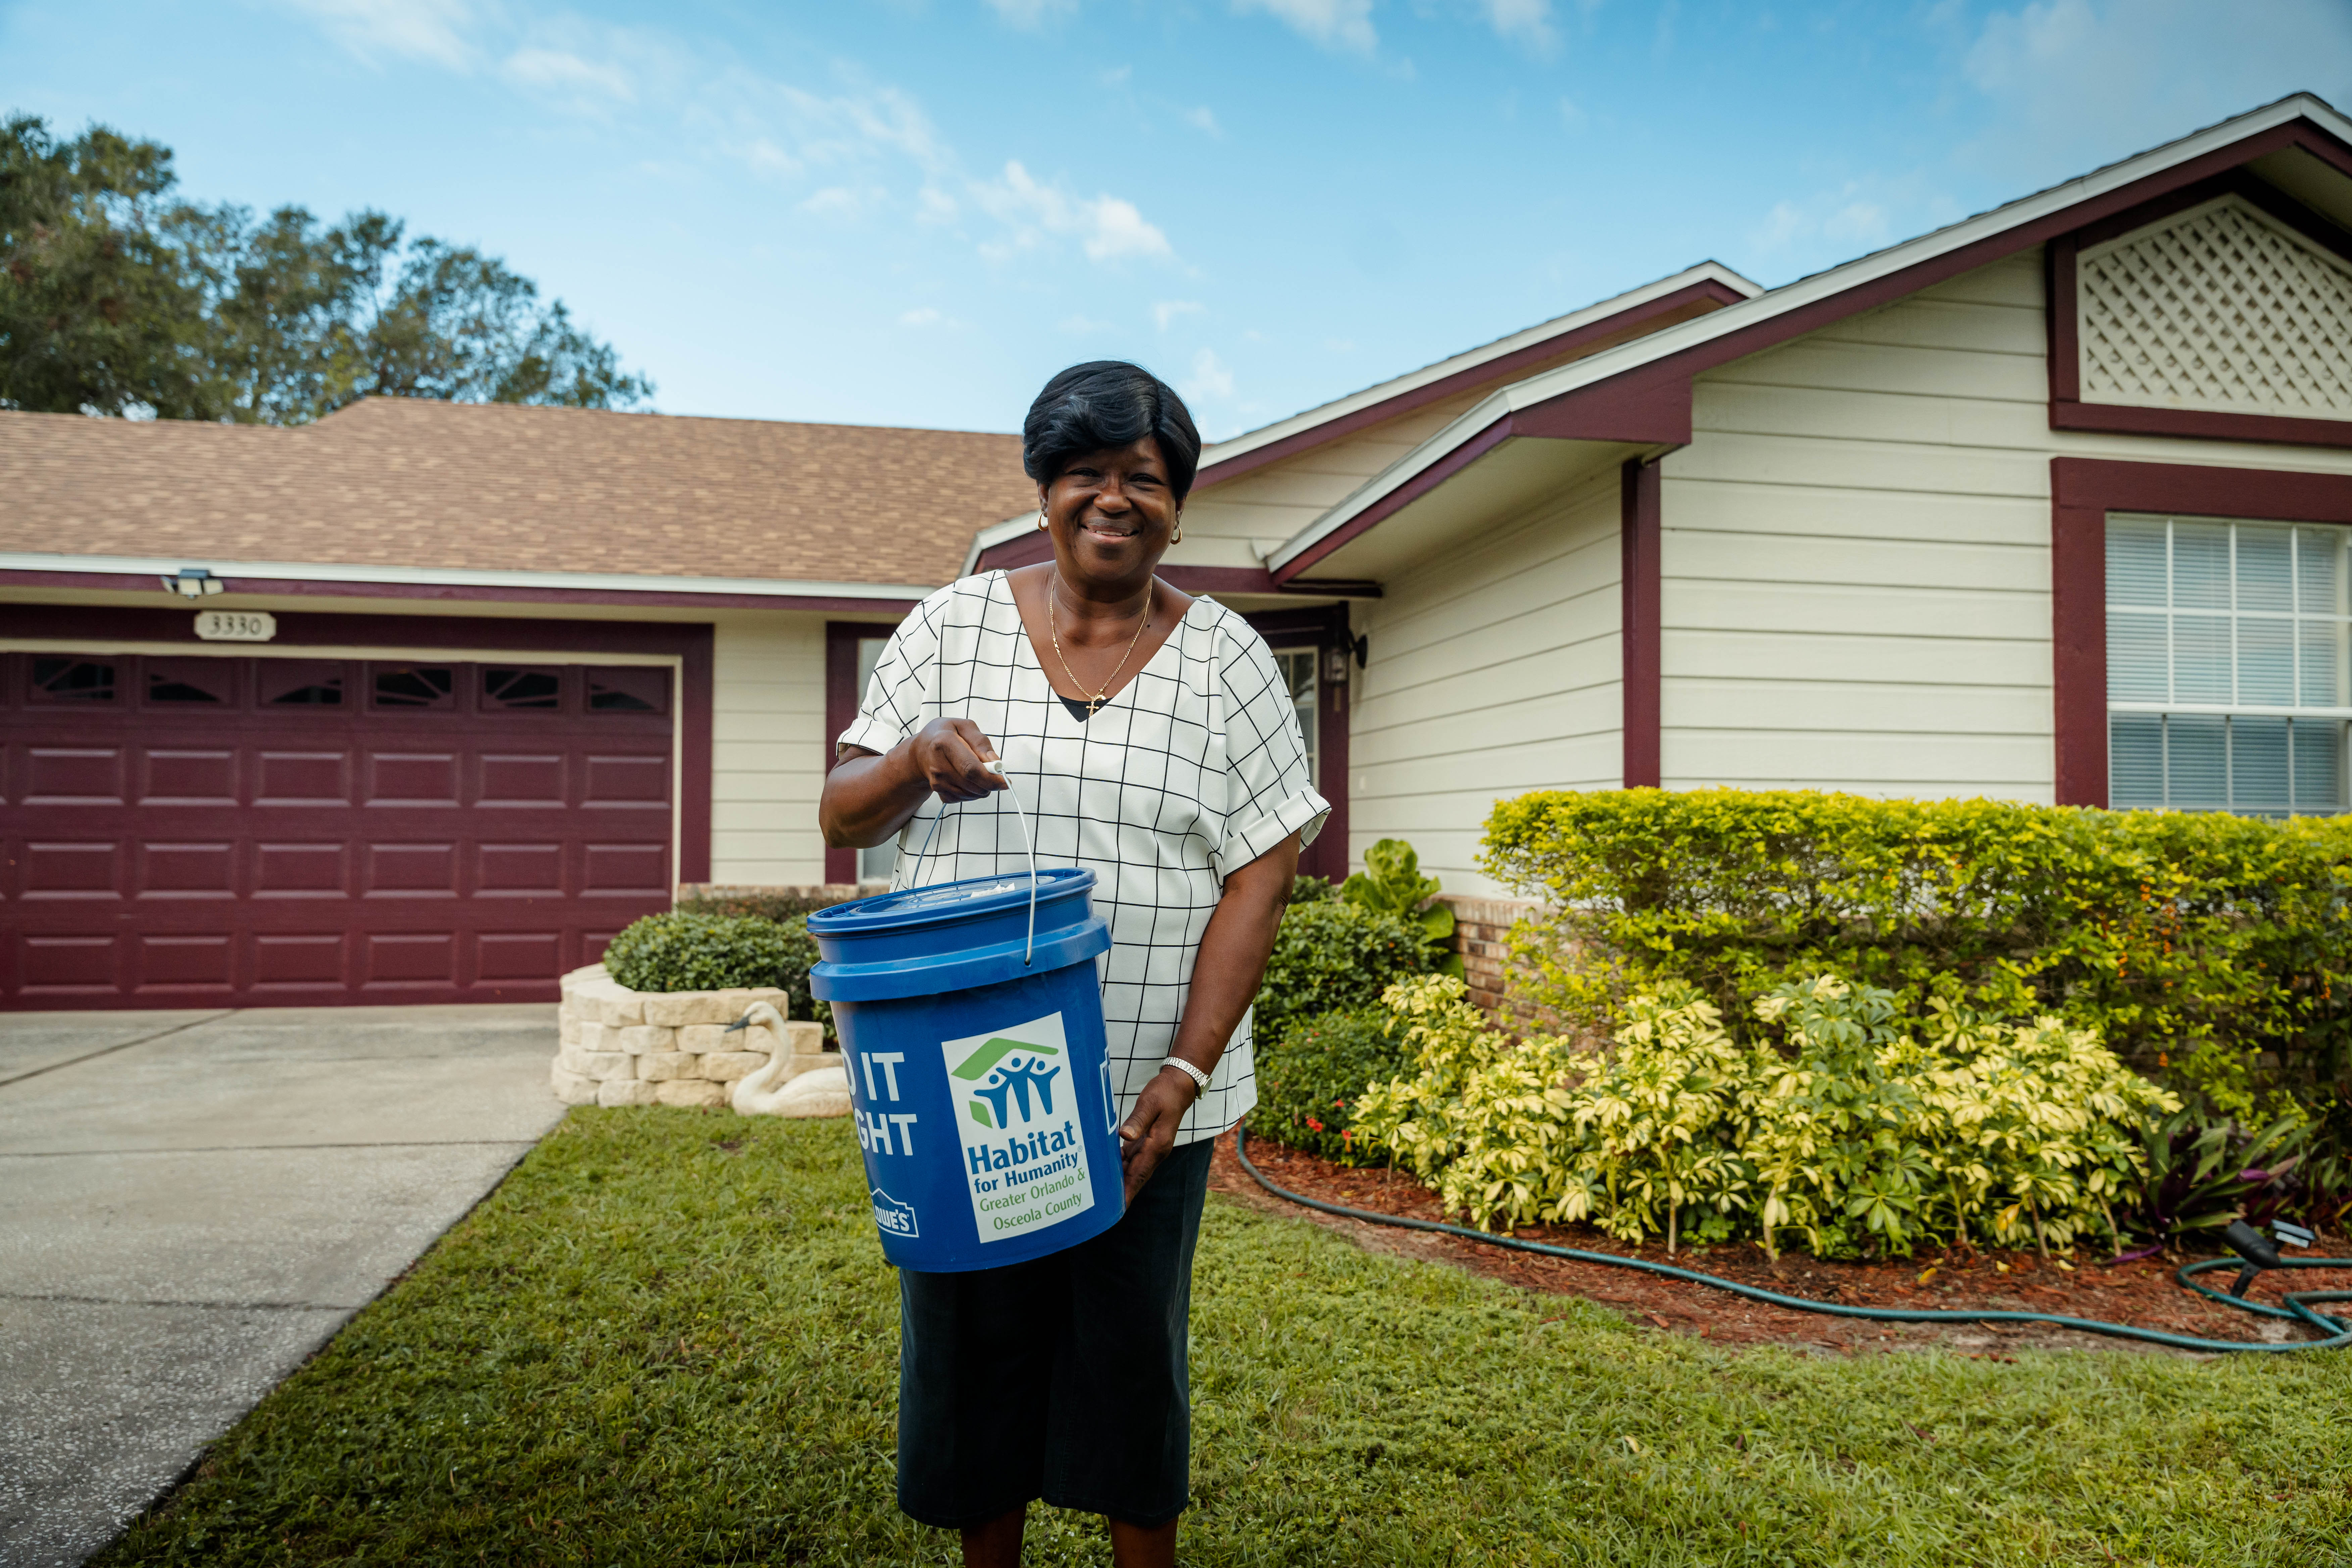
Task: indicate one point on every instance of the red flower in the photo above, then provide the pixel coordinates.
(1315, 1124)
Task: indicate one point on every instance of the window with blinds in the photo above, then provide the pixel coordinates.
(2229, 664)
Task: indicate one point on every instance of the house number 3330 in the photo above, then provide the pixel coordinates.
(236, 625)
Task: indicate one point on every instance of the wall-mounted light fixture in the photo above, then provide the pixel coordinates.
(192, 582)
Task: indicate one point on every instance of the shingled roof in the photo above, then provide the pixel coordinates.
(394, 482)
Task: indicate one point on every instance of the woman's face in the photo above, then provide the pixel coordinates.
(1111, 513)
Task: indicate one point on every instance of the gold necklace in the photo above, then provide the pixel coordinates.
(1102, 692)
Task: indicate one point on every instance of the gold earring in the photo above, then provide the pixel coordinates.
(1178, 537)
(1041, 520)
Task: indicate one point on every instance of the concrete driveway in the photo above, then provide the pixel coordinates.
(192, 1203)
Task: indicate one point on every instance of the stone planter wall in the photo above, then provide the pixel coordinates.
(620, 1046)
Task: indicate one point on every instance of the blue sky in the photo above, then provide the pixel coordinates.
(912, 211)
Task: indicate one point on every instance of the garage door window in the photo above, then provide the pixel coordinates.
(2229, 666)
(625, 691)
(301, 683)
(72, 680)
(425, 686)
(526, 690)
(180, 683)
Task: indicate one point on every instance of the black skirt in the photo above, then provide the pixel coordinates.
(1062, 1378)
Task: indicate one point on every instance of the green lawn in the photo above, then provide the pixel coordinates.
(669, 1338)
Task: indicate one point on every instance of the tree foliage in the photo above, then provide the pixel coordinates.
(115, 297)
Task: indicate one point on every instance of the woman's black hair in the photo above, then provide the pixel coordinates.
(1108, 403)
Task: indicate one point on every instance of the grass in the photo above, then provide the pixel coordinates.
(669, 1338)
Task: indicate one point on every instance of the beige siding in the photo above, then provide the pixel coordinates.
(767, 748)
(1493, 672)
(1267, 506)
(1855, 552)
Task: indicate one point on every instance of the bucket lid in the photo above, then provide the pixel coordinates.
(955, 936)
(947, 903)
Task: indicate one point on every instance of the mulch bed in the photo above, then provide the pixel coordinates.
(2140, 1292)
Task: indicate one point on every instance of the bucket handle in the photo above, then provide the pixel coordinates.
(1028, 846)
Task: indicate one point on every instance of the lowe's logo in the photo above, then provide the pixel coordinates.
(1005, 1074)
(893, 1216)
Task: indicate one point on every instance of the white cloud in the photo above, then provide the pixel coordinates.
(1571, 115)
(923, 316)
(1030, 14)
(1334, 23)
(1204, 118)
(766, 158)
(1108, 228)
(1085, 324)
(1210, 378)
(559, 70)
(432, 31)
(1167, 311)
(2076, 83)
(838, 202)
(1527, 21)
(1861, 225)
(933, 205)
(1780, 228)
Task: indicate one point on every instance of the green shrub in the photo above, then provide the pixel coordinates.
(1392, 882)
(780, 908)
(2213, 953)
(684, 951)
(1307, 889)
(1308, 1082)
(1852, 1133)
(1330, 957)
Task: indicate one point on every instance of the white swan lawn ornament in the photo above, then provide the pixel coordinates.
(775, 1089)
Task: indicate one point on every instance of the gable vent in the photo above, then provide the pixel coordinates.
(2217, 308)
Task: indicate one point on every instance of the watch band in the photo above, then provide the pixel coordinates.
(1200, 1080)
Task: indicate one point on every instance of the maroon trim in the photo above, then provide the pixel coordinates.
(1635, 321)
(841, 698)
(1325, 628)
(2124, 418)
(2069, 412)
(2082, 491)
(689, 642)
(1022, 550)
(135, 582)
(2062, 323)
(1397, 500)
(1640, 515)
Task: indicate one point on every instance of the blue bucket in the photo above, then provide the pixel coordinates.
(971, 1024)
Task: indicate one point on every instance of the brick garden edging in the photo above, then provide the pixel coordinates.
(620, 1046)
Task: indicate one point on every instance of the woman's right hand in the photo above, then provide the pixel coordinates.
(948, 753)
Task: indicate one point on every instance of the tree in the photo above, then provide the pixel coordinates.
(115, 300)
(100, 307)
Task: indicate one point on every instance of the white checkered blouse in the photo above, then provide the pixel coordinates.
(1193, 770)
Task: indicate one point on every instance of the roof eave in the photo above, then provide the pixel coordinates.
(1670, 340)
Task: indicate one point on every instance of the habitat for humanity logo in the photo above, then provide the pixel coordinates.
(1024, 1159)
(1006, 1069)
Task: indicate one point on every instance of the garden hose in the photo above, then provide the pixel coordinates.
(2298, 1308)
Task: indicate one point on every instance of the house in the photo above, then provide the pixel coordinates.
(2051, 504)
(480, 684)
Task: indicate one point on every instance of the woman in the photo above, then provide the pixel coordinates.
(1153, 740)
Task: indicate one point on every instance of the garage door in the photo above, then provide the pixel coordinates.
(189, 831)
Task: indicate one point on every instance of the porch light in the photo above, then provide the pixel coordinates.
(192, 582)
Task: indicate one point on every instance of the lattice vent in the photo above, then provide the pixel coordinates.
(2218, 308)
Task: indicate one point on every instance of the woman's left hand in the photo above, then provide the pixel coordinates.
(1150, 1130)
